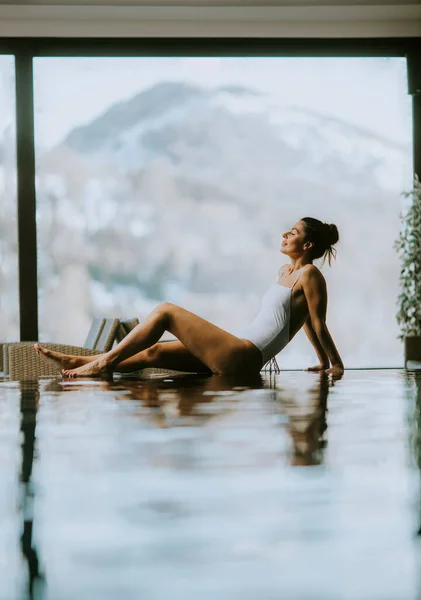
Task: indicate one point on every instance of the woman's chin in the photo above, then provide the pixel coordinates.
(283, 250)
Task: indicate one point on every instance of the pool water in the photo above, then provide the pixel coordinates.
(291, 487)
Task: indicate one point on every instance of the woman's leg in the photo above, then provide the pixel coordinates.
(163, 355)
(220, 351)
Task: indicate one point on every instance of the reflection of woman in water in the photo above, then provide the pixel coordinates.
(297, 299)
(307, 421)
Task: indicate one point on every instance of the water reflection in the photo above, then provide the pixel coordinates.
(191, 400)
(413, 393)
(188, 394)
(306, 409)
(29, 403)
(195, 401)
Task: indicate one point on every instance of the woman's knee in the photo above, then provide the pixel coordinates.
(164, 310)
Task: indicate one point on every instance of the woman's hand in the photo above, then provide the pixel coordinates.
(320, 367)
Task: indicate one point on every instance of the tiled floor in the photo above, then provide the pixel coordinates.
(219, 489)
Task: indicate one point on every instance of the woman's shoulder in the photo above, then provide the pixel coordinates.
(312, 273)
(311, 269)
(307, 272)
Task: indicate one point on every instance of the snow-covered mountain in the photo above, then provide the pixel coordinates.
(212, 133)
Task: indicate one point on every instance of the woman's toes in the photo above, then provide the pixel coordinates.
(41, 351)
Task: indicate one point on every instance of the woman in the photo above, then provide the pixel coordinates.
(298, 298)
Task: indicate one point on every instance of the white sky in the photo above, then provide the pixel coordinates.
(368, 92)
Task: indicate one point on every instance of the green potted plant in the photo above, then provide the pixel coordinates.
(408, 246)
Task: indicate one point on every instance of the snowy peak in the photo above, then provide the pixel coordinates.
(155, 106)
(216, 133)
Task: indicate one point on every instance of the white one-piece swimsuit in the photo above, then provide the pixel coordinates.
(269, 331)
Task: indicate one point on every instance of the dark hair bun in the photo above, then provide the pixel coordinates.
(323, 237)
(333, 234)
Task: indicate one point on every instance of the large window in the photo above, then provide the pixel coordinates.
(9, 286)
(173, 179)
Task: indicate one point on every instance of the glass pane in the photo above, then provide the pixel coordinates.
(9, 282)
(173, 179)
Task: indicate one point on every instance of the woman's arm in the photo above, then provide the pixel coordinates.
(314, 286)
(320, 351)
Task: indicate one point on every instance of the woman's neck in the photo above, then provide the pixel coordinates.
(299, 264)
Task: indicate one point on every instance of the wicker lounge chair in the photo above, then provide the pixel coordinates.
(20, 361)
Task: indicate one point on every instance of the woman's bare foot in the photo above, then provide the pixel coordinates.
(97, 368)
(62, 361)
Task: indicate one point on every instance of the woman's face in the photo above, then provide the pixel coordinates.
(294, 240)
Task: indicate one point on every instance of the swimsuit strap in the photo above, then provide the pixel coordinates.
(281, 272)
(296, 279)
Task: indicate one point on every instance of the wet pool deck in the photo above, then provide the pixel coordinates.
(290, 487)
